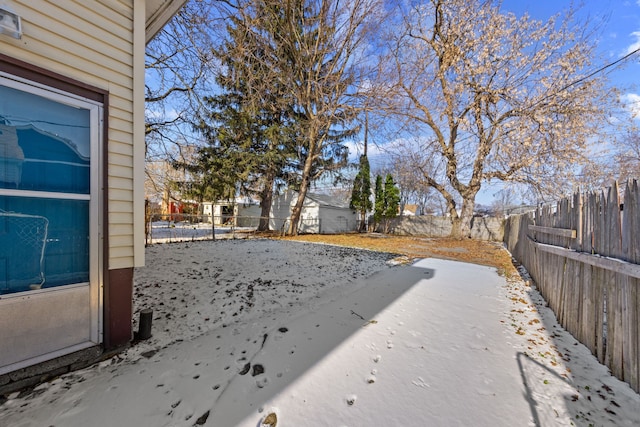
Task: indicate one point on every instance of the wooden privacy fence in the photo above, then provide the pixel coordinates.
(584, 255)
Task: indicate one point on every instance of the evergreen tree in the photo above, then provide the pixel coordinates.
(248, 126)
(361, 194)
(378, 210)
(316, 44)
(391, 198)
(387, 201)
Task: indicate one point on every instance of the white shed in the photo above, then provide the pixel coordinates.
(321, 214)
(241, 212)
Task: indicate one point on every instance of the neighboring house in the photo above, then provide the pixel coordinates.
(241, 212)
(409, 210)
(160, 184)
(321, 214)
(71, 178)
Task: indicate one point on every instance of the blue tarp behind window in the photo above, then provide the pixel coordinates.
(44, 148)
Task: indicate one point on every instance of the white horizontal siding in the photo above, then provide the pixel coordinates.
(92, 42)
(120, 183)
(121, 160)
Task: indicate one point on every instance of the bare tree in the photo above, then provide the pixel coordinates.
(179, 71)
(503, 201)
(499, 97)
(628, 157)
(318, 46)
(410, 160)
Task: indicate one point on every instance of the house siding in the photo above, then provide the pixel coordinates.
(94, 49)
(92, 42)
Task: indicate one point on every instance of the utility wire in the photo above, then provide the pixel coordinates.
(588, 76)
(599, 70)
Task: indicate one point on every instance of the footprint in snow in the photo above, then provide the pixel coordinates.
(245, 369)
(257, 370)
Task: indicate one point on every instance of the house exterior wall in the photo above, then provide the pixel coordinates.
(213, 212)
(245, 214)
(281, 212)
(207, 211)
(99, 46)
(93, 43)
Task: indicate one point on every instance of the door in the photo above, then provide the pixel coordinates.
(50, 221)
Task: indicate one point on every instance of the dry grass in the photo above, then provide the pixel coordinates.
(474, 251)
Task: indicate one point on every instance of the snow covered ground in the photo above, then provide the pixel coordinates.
(326, 336)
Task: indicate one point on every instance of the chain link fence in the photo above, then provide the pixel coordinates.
(180, 227)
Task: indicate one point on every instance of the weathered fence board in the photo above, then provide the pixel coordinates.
(611, 264)
(598, 276)
(631, 253)
(584, 255)
(564, 232)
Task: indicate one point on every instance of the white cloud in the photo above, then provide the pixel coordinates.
(161, 114)
(383, 154)
(375, 152)
(631, 103)
(636, 44)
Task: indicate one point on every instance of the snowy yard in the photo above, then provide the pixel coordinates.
(320, 335)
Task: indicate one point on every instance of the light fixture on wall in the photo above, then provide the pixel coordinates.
(10, 23)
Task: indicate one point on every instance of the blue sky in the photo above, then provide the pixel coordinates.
(620, 34)
(618, 24)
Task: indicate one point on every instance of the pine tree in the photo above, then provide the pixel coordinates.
(315, 43)
(387, 201)
(378, 211)
(248, 126)
(391, 198)
(361, 194)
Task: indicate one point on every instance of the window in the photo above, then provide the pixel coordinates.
(49, 145)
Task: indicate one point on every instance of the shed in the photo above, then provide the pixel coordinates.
(321, 214)
(71, 179)
(240, 212)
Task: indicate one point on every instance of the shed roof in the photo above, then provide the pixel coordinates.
(328, 201)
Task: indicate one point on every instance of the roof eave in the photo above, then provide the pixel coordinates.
(158, 13)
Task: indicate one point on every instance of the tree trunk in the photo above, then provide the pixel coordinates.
(265, 211)
(466, 217)
(363, 221)
(266, 200)
(455, 227)
(302, 193)
(297, 210)
(461, 225)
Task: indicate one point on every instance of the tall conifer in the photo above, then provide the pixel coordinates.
(361, 194)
